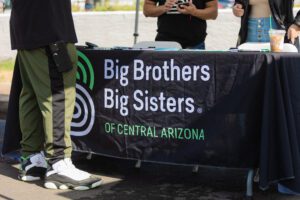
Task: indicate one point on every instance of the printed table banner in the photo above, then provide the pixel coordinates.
(169, 107)
(185, 107)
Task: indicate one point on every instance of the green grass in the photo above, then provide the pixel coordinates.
(6, 70)
(7, 65)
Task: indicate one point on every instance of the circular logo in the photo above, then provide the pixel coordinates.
(84, 113)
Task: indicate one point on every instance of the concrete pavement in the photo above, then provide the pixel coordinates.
(109, 29)
(152, 182)
(11, 188)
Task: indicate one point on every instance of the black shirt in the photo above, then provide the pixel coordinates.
(37, 23)
(184, 29)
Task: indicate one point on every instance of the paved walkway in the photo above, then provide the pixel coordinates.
(152, 182)
(5, 88)
(109, 29)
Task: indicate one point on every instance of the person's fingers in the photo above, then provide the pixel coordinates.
(289, 34)
(234, 8)
(237, 13)
(167, 7)
(239, 5)
(292, 36)
(234, 11)
(293, 41)
(169, 4)
(238, 10)
(242, 12)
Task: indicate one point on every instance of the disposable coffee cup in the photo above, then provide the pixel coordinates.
(276, 40)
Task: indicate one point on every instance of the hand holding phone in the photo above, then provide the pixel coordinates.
(183, 4)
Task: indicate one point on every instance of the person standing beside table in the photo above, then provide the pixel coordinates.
(43, 33)
(259, 16)
(182, 21)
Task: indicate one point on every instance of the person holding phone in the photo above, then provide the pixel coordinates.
(182, 21)
(258, 16)
(43, 33)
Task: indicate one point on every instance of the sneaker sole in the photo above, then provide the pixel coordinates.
(29, 178)
(60, 186)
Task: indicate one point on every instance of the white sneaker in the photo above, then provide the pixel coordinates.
(33, 167)
(64, 175)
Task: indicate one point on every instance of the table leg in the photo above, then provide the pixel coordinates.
(249, 189)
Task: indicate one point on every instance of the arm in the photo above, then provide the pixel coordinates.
(209, 12)
(152, 10)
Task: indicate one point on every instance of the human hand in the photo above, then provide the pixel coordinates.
(238, 10)
(2, 6)
(169, 4)
(187, 9)
(293, 32)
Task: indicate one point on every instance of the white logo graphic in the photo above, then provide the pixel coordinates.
(84, 114)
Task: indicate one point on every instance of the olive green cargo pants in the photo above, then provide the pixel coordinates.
(46, 104)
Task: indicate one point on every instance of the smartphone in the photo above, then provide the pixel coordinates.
(181, 3)
(61, 56)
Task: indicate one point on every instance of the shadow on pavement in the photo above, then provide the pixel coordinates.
(168, 182)
(164, 182)
(122, 181)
